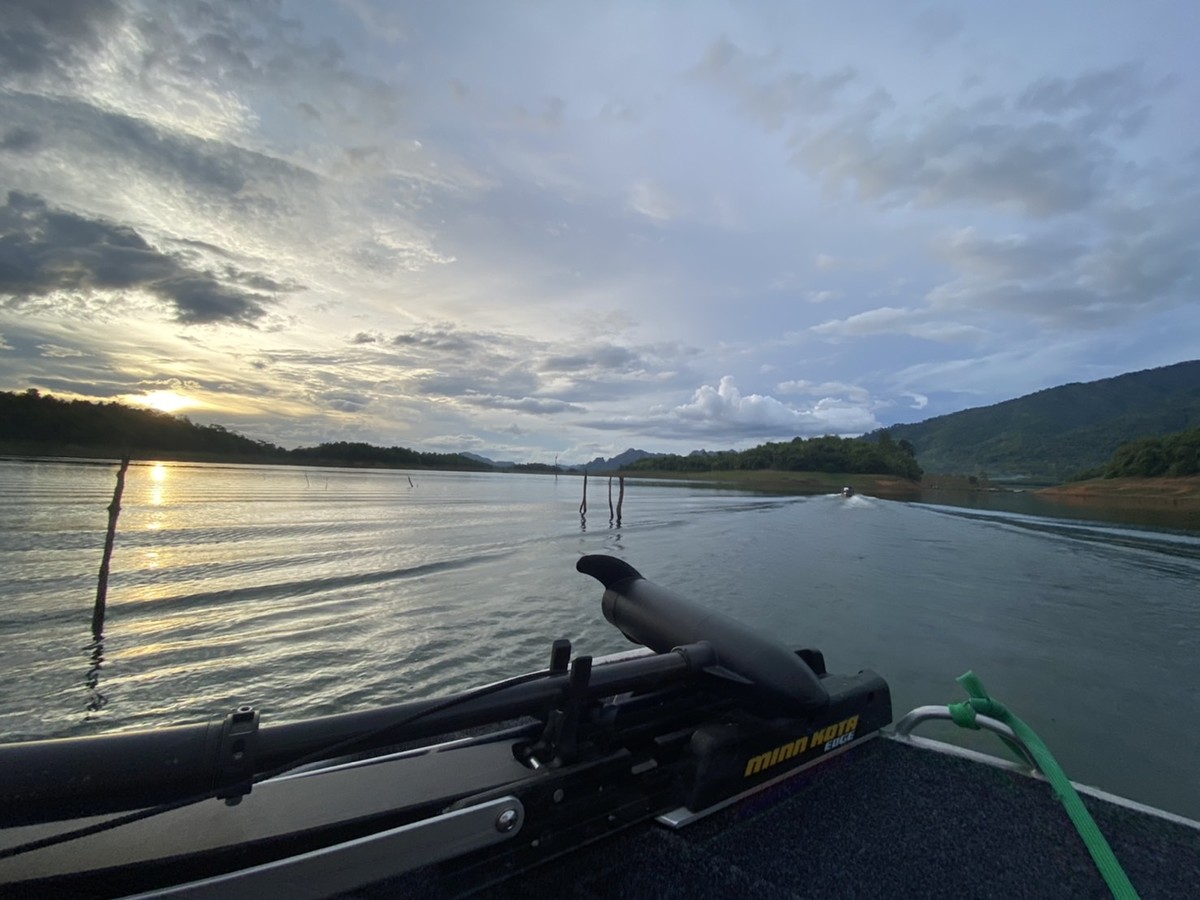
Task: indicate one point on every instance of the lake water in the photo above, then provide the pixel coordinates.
(310, 591)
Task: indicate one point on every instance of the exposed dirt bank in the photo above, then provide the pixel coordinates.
(1175, 493)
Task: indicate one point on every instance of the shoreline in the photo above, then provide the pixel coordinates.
(1180, 492)
(892, 487)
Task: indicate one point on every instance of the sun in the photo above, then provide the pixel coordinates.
(166, 401)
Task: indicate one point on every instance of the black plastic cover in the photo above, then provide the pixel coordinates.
(661, 620)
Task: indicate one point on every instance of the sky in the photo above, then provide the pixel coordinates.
(540, 229)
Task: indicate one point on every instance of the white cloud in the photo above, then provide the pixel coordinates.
(725, 410)
(653, 202)
(892, 320)
(824, 389)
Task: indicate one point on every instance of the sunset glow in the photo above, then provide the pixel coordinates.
(167, 401)
(484, 229)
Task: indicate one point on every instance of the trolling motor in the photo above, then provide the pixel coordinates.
(791, 711)
(710, 711)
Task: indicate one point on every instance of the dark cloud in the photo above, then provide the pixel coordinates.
(42, 36)
(43, 250)
(211, 172)
(609, 357)
(345, 401)
(435, 339)
(252, 45)
(18, 140)
(259, 282)
(477, 380)
(1117, 97)
(535, 405)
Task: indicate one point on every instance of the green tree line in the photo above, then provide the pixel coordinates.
(880, 456)
(36, 422)
(1153, 457)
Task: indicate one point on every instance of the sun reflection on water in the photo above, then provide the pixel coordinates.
(158, 475)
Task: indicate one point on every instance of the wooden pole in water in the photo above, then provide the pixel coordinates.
(114, 510)
(620, 496)
(610, 508)
(583, 503)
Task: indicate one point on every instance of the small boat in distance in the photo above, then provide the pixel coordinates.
(847, 491)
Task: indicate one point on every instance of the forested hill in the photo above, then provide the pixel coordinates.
(883, 456)
(1170, 455)
(36, 423)
(1060, 431)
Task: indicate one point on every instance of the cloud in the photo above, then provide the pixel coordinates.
(1138, 259)
(770, 97)
(651, 201)
(1116, 98)
(20, 140)
(597, 358)
(55, 351)
(39, 38)
(725, 412)
(1032, 155)
(535, 405)
(408, 258)
(824, 389)
(345, 401)
(1009, 256)
(43, 250)
(442, 339)
(893, 320)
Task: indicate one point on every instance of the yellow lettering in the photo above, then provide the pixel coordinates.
(827, 738)
(757, 764)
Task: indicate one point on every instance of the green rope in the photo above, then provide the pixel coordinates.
(980, 703)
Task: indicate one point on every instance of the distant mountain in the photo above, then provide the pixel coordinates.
(1057, 432)
(490, 462)
(600, 464)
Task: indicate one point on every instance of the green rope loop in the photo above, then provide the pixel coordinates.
(979, 703)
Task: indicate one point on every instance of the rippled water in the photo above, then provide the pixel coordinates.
(309, 591)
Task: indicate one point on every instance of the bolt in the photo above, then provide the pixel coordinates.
(507, 820)
(558, 795)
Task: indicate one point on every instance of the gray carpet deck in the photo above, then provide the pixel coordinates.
(883, 820)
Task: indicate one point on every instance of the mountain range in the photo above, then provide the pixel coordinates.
(599, 464)
(1055, 433)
